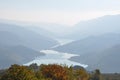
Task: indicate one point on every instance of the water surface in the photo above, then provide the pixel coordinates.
(55, 57)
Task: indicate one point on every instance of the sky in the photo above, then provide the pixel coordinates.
(65, 12)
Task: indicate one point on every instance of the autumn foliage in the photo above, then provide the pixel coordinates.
(16, 72)
(47, 72)
(55, 72)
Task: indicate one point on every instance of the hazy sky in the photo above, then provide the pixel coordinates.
(67, 12)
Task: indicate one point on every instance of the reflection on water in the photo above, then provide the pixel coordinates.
(55, 57)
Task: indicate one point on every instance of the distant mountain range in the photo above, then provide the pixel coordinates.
(16, 55)
(106, 60)
(28, 37)
(102, 25)
(100, 52)
(90, 44)
(46, 29)
(83, 29)
(97, 42)
(20, 44)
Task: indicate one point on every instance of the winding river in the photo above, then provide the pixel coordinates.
(55, 57)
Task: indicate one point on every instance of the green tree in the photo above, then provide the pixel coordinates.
(82, 74)
(97, 75)
(34, 67)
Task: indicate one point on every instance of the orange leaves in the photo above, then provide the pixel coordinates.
(56, 72)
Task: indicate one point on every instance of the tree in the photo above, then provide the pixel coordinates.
(97, 75)
(81, 74)
(34, 67)
(16, 72)
(55, 72)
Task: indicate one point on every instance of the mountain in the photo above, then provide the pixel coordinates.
(107, 60)
(47, 29)
(42, 31)
(98, 26)
(83, 29)
(90, 44)
(9, 38)
(20, 44)
(12, 51)
(100, 52)
(29, 38)
(59, 31)
(16, 55)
